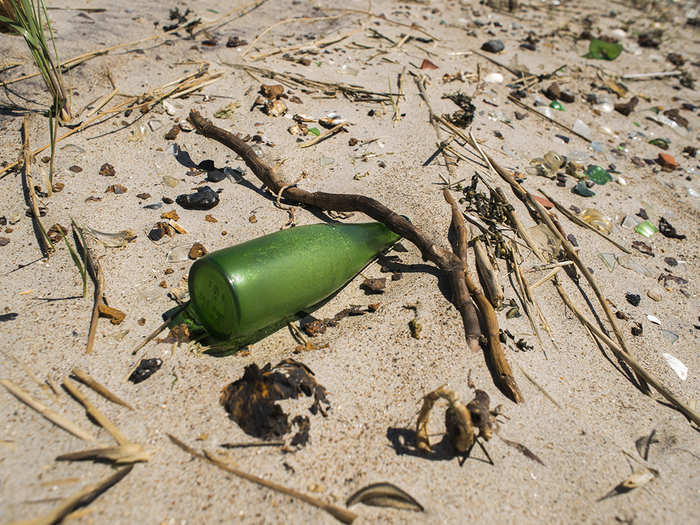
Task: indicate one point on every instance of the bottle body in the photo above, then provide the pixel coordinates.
(240, 291)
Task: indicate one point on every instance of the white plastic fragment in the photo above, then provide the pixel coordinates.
(653, 319)
(678, 367)
(494, 78)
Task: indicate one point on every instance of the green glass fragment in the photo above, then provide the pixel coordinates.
(597, 174)
(314, 131)
(646, 229)
(556, 105)
(609, 260)
(660, 143)
(600, 50)
(582, 190)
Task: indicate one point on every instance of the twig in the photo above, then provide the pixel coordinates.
(89, 381)
(539, 387)
(45, 244)
(343, 515)
(253, 444)
(150, 337)
(95, 270)
(352, 92)
(56, 418)
(444, 259)
(102, 103)
(546, 278)
(620, 353)
(527, 300)
(512, 71)
(79, 499)
(324, 136)
(319, 43)
(95, 413)
(26, 370)
(542, 115)
(450, 163)
(573, 218)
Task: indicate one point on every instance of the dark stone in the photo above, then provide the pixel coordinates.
(676, 59)
(493, 46)
(633, 299)
(235, 41)
(206, 165)
(215, 176)
(204, 199)
(650, 38)
(627, 107)
(146, 368)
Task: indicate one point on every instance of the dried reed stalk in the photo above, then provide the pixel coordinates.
(342, 515)
(79, 499)
(89, 381)
(57, 419)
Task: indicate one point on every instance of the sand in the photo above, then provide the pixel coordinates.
(374, 371)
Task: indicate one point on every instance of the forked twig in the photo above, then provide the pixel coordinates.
(495, 357)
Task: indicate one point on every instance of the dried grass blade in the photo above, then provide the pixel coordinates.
(91, 382)
(343, 515)
(79, 499)
(95, 413)
(53, 416)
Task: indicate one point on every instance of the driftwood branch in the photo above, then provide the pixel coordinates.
(495, 358)
(441, 257)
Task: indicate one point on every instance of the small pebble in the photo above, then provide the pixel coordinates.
(493, 46)
(654, 295)
(204, 199)
(633, 299)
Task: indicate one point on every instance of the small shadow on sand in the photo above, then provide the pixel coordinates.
(403, 441)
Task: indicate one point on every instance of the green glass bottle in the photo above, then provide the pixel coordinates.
(242, 293)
